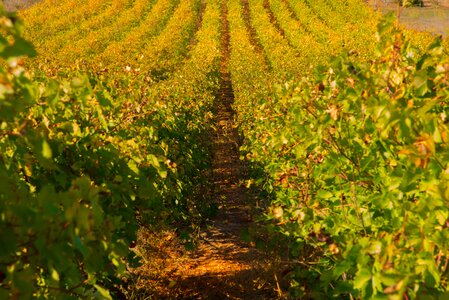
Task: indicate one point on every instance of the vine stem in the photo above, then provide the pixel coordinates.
(356, 203)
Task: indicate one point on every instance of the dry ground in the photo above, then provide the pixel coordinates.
(223, 266)
(433, 19)
(12, 5)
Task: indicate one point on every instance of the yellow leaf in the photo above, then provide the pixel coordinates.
(46, 150)
(172, 284)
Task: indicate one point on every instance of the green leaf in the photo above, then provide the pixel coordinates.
(80, 246)
(46, 150)
(362, 278)
(21, 47)
(133, 167)
(104, 98)
(8, 241)
(103, 292)
(420, 82)
(342, 267)
(323, 194)
(54, 274)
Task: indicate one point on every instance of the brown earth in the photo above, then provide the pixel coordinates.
(13, 5)
(434, 19)
(223, 266)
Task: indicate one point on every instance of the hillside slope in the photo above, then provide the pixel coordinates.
(222, 149)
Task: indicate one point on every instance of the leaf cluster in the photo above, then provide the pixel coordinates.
(358, 163)
(85, 159)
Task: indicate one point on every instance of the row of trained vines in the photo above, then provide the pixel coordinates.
(90, 151)
(105, 127)
(354, 152)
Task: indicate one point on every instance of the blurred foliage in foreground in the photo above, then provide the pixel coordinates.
(359, 166)
(83, 160)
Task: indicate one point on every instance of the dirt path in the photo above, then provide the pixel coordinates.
(13, 5)
(432, 19)
(273, 19)
(223, 266)
(254, 40)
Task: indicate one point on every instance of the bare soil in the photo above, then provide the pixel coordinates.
(433, 19)
(13, 5)
(252, 33)
(223, 266)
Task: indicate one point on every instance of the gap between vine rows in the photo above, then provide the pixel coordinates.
(222, 266)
